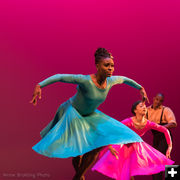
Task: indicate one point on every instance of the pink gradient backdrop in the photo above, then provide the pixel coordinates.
(39, 38)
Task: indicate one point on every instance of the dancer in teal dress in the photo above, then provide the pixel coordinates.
(78, 128)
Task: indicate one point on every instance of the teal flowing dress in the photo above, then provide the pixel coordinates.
(78, 127)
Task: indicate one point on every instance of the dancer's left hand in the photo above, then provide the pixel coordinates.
(114, 152)
(144, 95)
(36, 94)
(168, 152)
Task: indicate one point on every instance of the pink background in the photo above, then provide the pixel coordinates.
(39, 38)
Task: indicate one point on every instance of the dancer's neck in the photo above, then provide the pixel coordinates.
(139, 118)
(100, 79)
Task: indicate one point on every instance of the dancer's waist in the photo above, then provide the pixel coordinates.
(82, 108)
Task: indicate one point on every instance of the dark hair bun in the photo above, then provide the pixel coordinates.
(134, 106)
(101, 53)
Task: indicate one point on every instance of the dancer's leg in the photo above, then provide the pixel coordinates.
(76, 161)
(86, 162)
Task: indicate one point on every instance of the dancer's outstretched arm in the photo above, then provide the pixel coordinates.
(130, 82)
(67, 78)
(167, 135)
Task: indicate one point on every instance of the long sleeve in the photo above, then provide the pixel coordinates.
(162, 129)
(67, 78)
(126, 122)
(125, 80)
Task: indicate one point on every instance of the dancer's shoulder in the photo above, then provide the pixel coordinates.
(127, 121)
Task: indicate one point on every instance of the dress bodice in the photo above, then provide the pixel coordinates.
(149, 125)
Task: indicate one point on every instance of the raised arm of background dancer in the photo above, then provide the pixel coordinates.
(67, 78)
(164, 130)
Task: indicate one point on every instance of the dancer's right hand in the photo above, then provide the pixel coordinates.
(168, 152)
(114, 152)
(144, 95)
(36, 94)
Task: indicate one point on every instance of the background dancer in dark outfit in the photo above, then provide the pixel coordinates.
(164, 116)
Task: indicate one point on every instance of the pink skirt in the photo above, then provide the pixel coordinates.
(134, 159)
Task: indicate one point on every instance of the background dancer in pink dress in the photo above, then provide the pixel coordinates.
(124, 161)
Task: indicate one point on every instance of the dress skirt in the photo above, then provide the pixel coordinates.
(70, 134)
(134, 159)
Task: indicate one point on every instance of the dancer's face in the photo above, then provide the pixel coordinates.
(105, 67)
(141, 109)
(157, 101)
